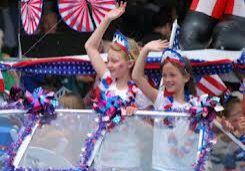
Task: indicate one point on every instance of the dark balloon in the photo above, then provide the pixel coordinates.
(229, 34)
(196, 31)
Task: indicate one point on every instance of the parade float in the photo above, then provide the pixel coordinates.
(40, 136)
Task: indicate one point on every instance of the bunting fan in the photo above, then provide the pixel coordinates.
(84, 15)
(100, 8)
(31, 11)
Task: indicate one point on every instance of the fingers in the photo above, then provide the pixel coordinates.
(157, 45)
(163, 44)
(163, 41)
(121, 5)
(119, 10)
(130, 111)
(227, 125)
(242, 119)
(241, 123)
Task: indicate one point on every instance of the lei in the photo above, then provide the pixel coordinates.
(40, 106)
(202, 113)
(168, 107)
(111, 110)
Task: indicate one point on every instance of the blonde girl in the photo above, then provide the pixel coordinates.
(119, 149)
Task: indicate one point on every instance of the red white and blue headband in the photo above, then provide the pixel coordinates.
(122, 41)
(173, 56)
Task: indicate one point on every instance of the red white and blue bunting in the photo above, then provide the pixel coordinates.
(81, 65)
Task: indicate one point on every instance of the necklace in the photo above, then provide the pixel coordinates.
(168, 121)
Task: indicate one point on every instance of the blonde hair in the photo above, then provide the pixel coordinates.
(133, 49)
(71, 101)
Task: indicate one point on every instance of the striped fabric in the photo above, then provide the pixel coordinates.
(210, 84)
(216, 8)
(1, 83)
(212, 8)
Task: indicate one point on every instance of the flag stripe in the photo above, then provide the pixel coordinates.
(194, 5)
(211, 87)
(204, 89)
(211, 84)
(217, 82)
(218, 9)
(1, 83)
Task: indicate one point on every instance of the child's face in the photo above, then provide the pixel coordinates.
(173, 80)
(117, 64)
(235, 114)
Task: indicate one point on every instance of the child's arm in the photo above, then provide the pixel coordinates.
(92, 44)
(138, 71)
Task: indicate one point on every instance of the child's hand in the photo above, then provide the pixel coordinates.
(156, 45)
(117, 12)
(130, 110)
(227, 125)
(241, 125)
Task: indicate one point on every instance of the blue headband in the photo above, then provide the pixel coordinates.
(173, 56)
(121, 41)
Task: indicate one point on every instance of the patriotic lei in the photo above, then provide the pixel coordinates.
(111, 110)
(40, 106)
(202, 113)
(168, 107)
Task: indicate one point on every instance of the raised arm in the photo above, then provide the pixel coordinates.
(93, 43)
(138, 71)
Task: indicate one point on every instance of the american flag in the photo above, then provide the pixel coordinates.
(207, 84)
(174, 38)
(210, 84)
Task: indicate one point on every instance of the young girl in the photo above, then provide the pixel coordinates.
(119, 149)
(174, 145)
(226, 155)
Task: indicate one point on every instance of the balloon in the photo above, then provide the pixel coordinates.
(217, 24)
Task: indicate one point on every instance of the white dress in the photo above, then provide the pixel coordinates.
(120, 147)
(174, 149)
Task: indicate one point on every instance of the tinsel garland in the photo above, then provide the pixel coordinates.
(202, 114)
(111, 110)
(40, 106)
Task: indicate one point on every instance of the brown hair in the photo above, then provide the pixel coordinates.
(71, 101)
(185, 70)
(133, 49)
(229, 105)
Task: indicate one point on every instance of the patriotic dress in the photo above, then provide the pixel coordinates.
(174, 144)
(120, 147)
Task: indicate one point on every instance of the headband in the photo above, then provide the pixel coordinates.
(122, 41)
(173, 56)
